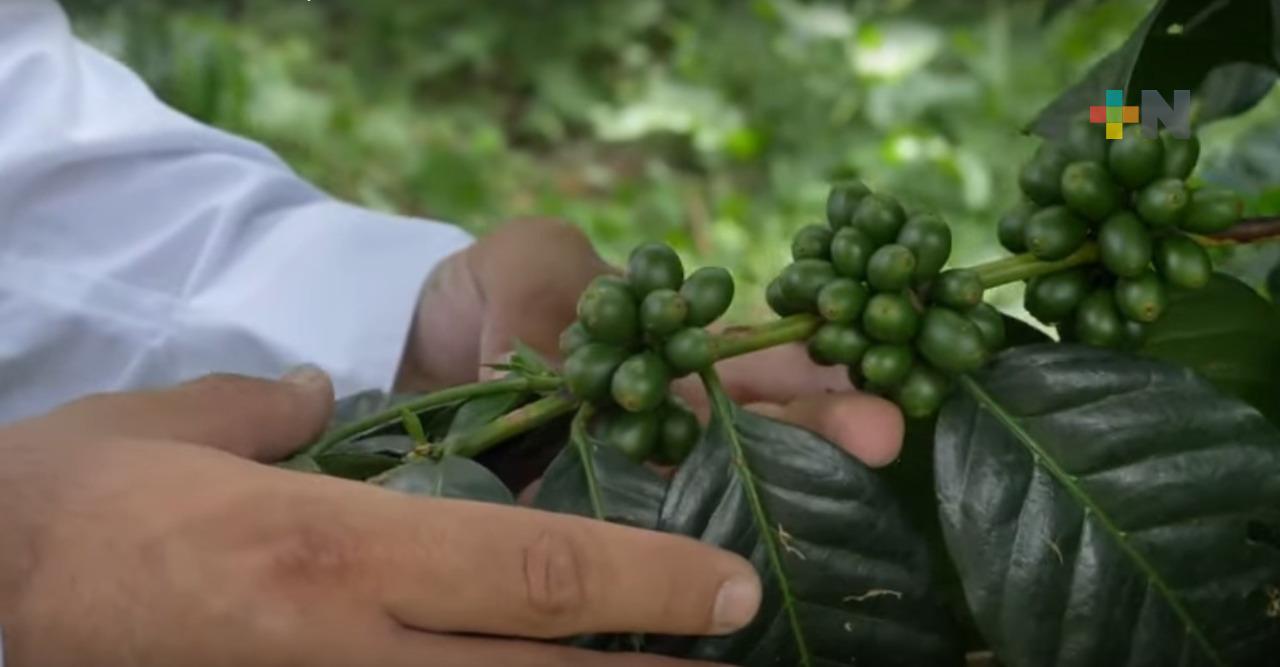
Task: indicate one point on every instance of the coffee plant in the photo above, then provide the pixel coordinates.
(1111, 498)
(1108, 495)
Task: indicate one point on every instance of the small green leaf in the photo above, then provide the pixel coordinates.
(300, 463)
(1229, 334)
(356, 466)
(449, 477)
(480, 411)
(1110, 510)
(846, 579)
(362, 459)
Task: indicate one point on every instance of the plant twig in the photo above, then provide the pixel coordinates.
(1022, 267)
(427, 401)
(1248, 231)
(513, 423)
(738, 341)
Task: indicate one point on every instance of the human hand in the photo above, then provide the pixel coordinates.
(523, 282)
(136, 531)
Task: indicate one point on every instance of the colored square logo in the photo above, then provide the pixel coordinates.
(1114, 114)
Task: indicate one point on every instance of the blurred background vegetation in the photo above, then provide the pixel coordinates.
(713, 125)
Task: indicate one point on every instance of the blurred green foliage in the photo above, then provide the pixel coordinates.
(710, 124)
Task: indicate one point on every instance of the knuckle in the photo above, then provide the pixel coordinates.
(554, 579)
(311, 554)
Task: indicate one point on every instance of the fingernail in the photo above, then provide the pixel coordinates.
(305, 375)
(736, 604)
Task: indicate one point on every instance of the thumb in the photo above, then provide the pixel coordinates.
(265, 420)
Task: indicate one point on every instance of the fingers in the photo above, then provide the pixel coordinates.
(866, 426)
(780, 374)
(260, 419)
(412, 648)
(530, 275)
(475, 568)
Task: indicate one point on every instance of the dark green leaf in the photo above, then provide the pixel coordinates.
(1233, 89)
(846, 579)
(356, 466)
(449, 477)
(1178, 46)
(387, 445)
(1109, 510)
(1227, 333)
(629, 493)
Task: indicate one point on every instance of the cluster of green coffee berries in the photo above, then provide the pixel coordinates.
(632, 337)
(1131, 197)
(890, 313)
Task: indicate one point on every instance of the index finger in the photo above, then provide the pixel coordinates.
(458, 566)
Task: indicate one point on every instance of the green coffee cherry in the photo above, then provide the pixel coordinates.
(1183, 263)
(1212, 210)
(811, 242)
(951, 341)
(929, 239)
(640, 383)
(880, 216)
(1135, 333)
(1088, 190)
(891, 268)
(708, 291)
(689, 351)
(573, 337)
(803, 279)
(990, 324)
(1142, 299)
(851, 249)
(608, 310)
(678, 433)
(957, 288)
(1054, 233)
(654, 266)
(1136, 160)
(778, 301)
(1125, 244)
(589, 370)
(1041, 177)
(887, 365)
(836, 343)
(922, 392)
(842, 300)
(1085, 141)
(1012, 228)
(633, 434)
(1098, 322)
(890, 318)
(843, 200)
(1180, 155)
(1052, 298)
(662, 312)
(1163, 203)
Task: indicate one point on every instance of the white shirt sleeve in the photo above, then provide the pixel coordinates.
(140, 248)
